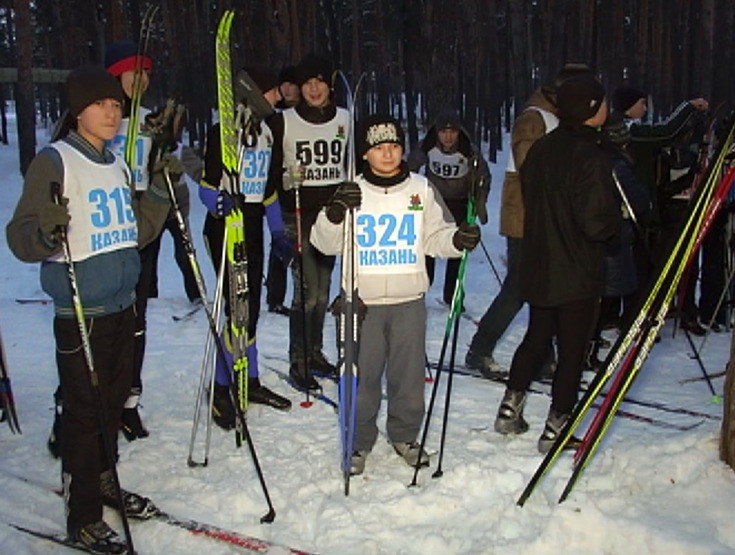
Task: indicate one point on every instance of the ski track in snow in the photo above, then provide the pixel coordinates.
(658, 490)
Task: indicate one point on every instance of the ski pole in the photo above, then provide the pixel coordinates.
(490, 261)
(93, 377)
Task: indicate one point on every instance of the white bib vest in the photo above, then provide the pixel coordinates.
(320, 148)
(254, 162)
(448, 166)
(143, 146)
(389, 228)
(102, 218)
(550, 121)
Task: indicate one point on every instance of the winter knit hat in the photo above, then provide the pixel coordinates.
(287, 75)
(616, 130)
(624, 97)
(570, 69)
(378, 129)
(313, 66)
(122, 56)
(87, 85)
(579, 98)
(447, 120)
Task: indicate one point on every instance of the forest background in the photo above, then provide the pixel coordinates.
(482, 58)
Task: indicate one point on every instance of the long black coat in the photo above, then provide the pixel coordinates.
(571, 211)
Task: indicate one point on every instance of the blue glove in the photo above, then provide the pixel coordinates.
(224, 204)
(282, 247)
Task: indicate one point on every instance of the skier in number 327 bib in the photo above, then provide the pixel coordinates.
(401, 218)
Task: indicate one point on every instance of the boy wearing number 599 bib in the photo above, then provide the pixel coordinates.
(399, 218)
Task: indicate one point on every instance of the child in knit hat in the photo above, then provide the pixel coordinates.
(399, 218)
(78, 193)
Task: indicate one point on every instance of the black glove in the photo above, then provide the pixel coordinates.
(52, 217)
(466, 237)
(348, 196)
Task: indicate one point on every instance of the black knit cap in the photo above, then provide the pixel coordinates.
(624, 97)
(316, 67)
(87, 85)
(569, 70)
(579, 98)
(378, 129)
(448, 120)
(287, 75)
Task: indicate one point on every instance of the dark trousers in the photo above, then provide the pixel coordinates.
(504, 307)
(83, 456)
(572, 324)
(309, 306)
(714, 279)
(275, 282)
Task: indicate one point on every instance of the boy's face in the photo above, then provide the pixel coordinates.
(128, 78)
(315, 92)
(638, 110)
(448, 138)
(385, 159)
(291, 93)
(99, 121)
(272, 96)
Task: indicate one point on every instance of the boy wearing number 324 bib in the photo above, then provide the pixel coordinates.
(399, 218)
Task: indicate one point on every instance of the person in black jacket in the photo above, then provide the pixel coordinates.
(570, 214)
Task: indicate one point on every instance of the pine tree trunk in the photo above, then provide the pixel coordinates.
(26, 121)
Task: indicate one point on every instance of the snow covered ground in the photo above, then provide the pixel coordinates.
(648, 489)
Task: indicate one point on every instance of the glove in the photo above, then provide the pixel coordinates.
(52, 217)
(282, 247)
(466, 237)
(224, 204)
(346, 197)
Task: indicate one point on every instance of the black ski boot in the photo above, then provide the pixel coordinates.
(510, 413)
(223, 411)
(555, 423)
(131, 424)
(136, 506)
(98, 537)
(322, 367)
(302, 380)
(54, 439)
(261, 395)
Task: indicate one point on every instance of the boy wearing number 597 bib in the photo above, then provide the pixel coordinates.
(399, 218)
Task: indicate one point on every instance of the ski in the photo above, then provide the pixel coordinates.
(59, 538)
(195, 527)
(188, 315)
(143, 38)
(33, 301)
(502, 378)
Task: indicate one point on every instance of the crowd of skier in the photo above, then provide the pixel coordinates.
(590, 192)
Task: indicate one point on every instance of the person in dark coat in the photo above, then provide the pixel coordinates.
(620, 277)
(570, 215)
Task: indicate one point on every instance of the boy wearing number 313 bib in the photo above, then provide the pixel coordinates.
(400, 217)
